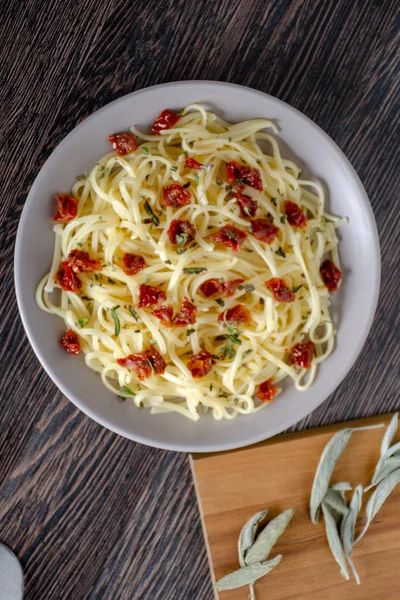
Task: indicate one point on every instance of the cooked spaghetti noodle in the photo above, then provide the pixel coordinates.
(214, 176)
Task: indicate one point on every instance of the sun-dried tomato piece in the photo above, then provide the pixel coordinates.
(248, 206)
(67, 279)
(211, 287)
(165, 120)
(149, 296)
(175, 195)
(181, 228)
(80, 261)
(280, 290)
(70, 342)
(144, 364)
(263, 230)
(187, 314)
(230, 236)
(67, 209)
(330, 274)
(301, 355)
(132, 263)
(230, 287)
(164, 314)
(123, 143)
(201, 364)
(295, 215)
(240, 174)
(235, 315)
(267, 391)
(192, 163)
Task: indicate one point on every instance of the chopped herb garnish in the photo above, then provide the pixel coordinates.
(174, 168)
(211, 387)
(186, 185)
(186, 153)
(229, 188)
(181, 239)
(194, 270)
(96, 277)
(196, 178)
(190, 331)
(106, 172)
(230, 138)
(149, 211)
(167, 262)
(126, 390)
(247, 286)
(250, 230)
(79, 244)
(219, 182)
(246, 352)
(133, 313)
(86, 298)
(317, 230)
(280, 252)
(111, 281)
(297, 287)
(82, 322)
(141, 405)
(116, 319)
(220, 301)
(283, 218)
(274, 201)
(145, 150)
(137, 331)
(121, 398)
(230, 233)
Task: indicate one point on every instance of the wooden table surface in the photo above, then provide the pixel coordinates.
(92, 515)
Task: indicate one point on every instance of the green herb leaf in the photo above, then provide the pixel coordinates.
(190, 331)
(234, 339)
(349, 522)
(167, 262)
(390, 434)
(229, 138)
(116, 319)
(133, 313)
(283, 218)
(274, 201)
(141, 405)
(280, 252)
(219, 182)
(230, 233)
(174, 168)
(335, 499)
(181, 239)
(247, 575)
(145, 150)
(150, 212)
(248, 534)
(297, 287)
(334, 541)
(332, 452)
(220, 301)
(248, 287)
(268, 537)
(194, 270)
(186, 185)
(79, 244)
(82, 322)
(126, 390)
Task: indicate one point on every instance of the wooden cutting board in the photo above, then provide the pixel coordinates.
(278, 474)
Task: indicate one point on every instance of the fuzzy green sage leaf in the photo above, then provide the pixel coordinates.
(247, 575)
(334, 541)
(248, 534)
(268, 537)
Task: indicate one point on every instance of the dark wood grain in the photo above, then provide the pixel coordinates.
(91, 515)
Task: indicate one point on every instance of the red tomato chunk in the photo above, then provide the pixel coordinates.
(123, 143)
(230, 236)
(248, 206)
(179, 228)
(132, 263)
(164, 314)
(144, 364)
(80, 261)
(267, 391)
(235, 315)
(165, 120)
(264, 231)
(330, 274)
(214, 286)
(200, 364)
(175, 195)
(280, 290)
(149, 296)
(67, 279)
(192, 163)
(187, 314)
(301, 355)
(70, 342)
(240, 174)
(67, 209)
(295, 215)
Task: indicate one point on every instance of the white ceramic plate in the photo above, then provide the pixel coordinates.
(354, 304)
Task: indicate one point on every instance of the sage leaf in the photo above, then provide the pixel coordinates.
(248, 534)
(330, 455)
(334, 541)
(389, 433)
(390, 465)
(334, 499)
(349, 522)
(247, 575)
(389, 452)
(268, 537)
(377, 499)
(342, 486)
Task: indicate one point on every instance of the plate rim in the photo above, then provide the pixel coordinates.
(286, 422)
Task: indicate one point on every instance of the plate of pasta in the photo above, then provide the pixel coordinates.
(197, 266)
